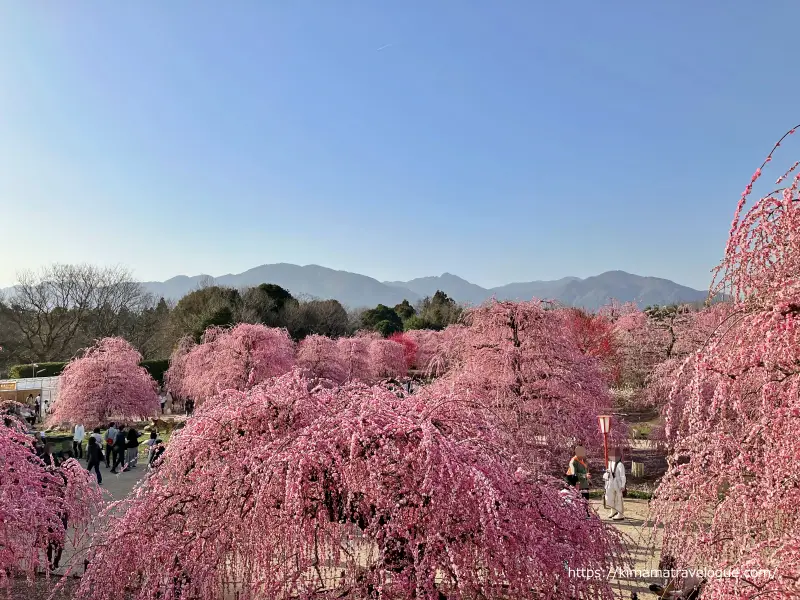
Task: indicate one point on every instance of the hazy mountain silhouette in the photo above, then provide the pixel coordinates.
(354, 290)
(309, 281)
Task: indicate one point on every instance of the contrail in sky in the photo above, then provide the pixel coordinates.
(383, 47)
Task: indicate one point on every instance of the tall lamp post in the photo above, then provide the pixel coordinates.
(35, 366)
(605, 427)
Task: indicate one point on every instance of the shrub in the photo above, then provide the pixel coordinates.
(156, 368)
(49, 369)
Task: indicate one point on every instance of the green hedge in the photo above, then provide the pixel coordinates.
(50, 369)
(156, 368)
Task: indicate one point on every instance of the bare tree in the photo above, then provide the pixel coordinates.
(56, 310)
(117, 300)
(150, 330)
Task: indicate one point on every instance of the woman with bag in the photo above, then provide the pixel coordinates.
(578, 472)
(615, 485)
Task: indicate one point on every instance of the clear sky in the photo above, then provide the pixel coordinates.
(500, 141)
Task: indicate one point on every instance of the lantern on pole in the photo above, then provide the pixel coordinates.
(605, 428)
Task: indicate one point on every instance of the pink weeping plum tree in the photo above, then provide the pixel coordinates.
(594, 334)
(321, 358)
(355, 358)
(236, 358)
(731, 494)
(450, 347)
(35, 500)
(669, 383)
(409, 347)
(346, 493)
(427, 343)
(387, 359)
(105, 382)
(521, 363)
(642, 345)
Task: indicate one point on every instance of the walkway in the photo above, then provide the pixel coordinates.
(643, 544)
(116, 487)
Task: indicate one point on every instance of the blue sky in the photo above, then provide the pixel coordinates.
(502, 141)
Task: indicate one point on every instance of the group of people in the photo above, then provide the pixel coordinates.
(166, 399)
(578, 475)
(118, 447)
(32, 409)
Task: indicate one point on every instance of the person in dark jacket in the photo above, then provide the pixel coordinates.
(95, 456)
(119, 447)
(157, 451)
(133, 448)
(50, 461)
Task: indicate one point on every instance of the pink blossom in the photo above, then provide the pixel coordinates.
(105, 382)
(523, 365)
(388, 359)
(33, 501)
(320, 356)
(730, 496)
(235, 358)
(345, 493)
(354, 356)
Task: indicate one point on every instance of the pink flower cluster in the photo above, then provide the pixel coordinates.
(289, 490)
(105, 382)
(730, 497)
(295, 479)
(522, 363)
(35, 501)
(243, 356)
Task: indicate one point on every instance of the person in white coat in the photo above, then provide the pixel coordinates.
(614, 478)
(77, 440)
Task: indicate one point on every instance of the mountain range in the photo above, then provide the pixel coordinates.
(354, 290)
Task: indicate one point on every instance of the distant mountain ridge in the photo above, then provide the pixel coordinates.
(355, 290)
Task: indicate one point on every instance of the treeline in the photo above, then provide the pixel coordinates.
(50, 315)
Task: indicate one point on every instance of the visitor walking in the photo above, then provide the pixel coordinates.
(37, 407)
(77, 440)
(111, 437)
(163, 399)
(120, 445)
(98, 437)
(578, 472)
(189, 404)
(132, 456)
(95, 457)
(615, 485)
